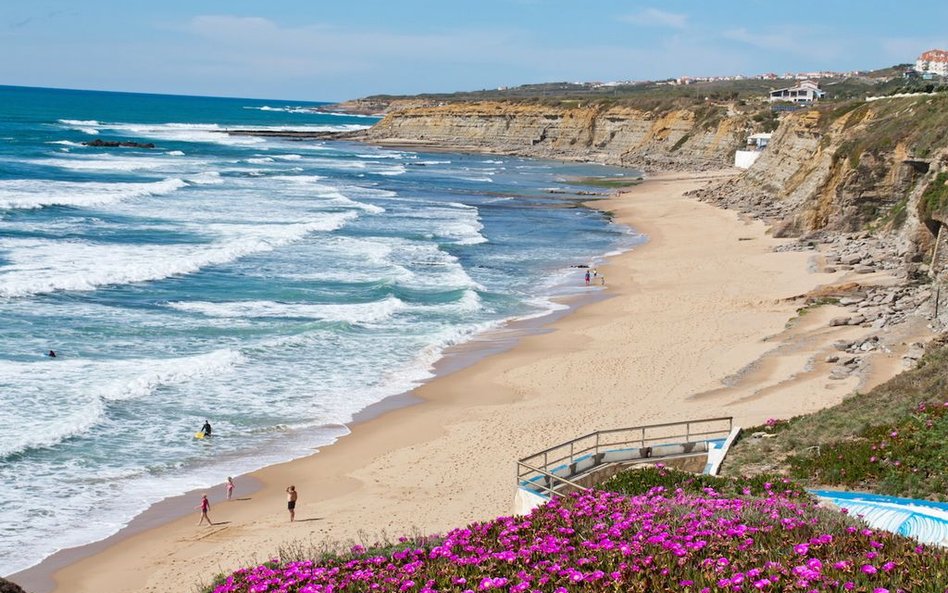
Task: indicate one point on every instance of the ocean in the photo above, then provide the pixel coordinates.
(273, 287)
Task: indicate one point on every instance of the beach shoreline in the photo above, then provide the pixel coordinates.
(39, 578)
(714, 301)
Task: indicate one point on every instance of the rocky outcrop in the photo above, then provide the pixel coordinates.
(9, 587)
(846, 168)
(100, 143)
(870, 178)
(695, 138)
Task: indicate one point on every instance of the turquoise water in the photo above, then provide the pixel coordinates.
(270, 286)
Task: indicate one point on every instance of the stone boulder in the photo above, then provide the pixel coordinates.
(10, 587)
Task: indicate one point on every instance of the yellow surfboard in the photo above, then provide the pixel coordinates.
(199, 435)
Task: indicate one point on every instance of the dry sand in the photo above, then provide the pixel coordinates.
(698, 324)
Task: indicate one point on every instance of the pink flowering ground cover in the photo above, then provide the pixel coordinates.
(663, 540)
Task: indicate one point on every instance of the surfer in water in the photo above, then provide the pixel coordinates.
(206, 429)
(52, 354)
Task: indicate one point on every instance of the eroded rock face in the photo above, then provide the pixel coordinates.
(846, 168)
(678, 139)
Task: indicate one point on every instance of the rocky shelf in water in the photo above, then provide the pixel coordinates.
(300, 134)
(99, 142)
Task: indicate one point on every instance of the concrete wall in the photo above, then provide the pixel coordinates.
(743, 159)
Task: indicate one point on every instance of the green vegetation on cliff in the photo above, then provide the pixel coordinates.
(920, 124)
(935, 198)
(851, 444)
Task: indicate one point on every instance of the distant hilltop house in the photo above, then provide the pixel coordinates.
(933, 61)
(805, 92)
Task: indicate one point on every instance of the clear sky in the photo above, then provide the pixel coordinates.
(339, 49)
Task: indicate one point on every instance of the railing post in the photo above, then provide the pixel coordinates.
(597, 443)
(643, 436)
(571, 443)
(688, 432)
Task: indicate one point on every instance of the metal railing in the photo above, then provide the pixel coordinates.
(551, 484)
(549, 470)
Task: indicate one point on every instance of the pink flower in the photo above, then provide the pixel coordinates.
(868, 569)
(801, 549)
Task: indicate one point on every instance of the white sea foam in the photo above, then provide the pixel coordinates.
(42, 266)
(333, 193)
(206, 178)
(287, 109)
(174, 153)
(32, 194)
(66, 143)
(108, 162)
(79, 122)
(459, 223)
(140, 378)
(391, 170)
(545, 306)
(95, 383)
(48, 427)
(356, 313)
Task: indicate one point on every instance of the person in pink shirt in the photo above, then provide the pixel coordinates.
(230, 487)
(205, 506)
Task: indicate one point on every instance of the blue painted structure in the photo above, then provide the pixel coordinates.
(923, 520)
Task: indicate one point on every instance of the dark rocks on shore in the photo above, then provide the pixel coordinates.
(100, 143)
(9, 587)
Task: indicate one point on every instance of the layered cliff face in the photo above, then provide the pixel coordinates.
(851, 167)
(689, 138)
(839, 167)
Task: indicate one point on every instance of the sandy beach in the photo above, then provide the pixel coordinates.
(700, 321)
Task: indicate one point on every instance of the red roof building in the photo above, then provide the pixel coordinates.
(934, 61)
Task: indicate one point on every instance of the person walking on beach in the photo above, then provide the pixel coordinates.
(205, 506)
(230, 487)
(291, 496)
(587, 277)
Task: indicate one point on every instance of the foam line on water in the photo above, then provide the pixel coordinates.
(33, 193)
(94, 385)
(44, 266)
(355, 313)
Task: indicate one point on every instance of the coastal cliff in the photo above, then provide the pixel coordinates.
(851, 167)
(865, 178)
(843, 167)
(696, 137)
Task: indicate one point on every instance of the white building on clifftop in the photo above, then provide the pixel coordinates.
(934, 61)
(805, 92)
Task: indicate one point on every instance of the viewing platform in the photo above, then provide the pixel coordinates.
(578, 464)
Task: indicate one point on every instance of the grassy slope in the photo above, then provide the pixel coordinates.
(849, 428)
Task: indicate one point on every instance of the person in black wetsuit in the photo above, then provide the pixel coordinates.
(206, 429)
(52, 354)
